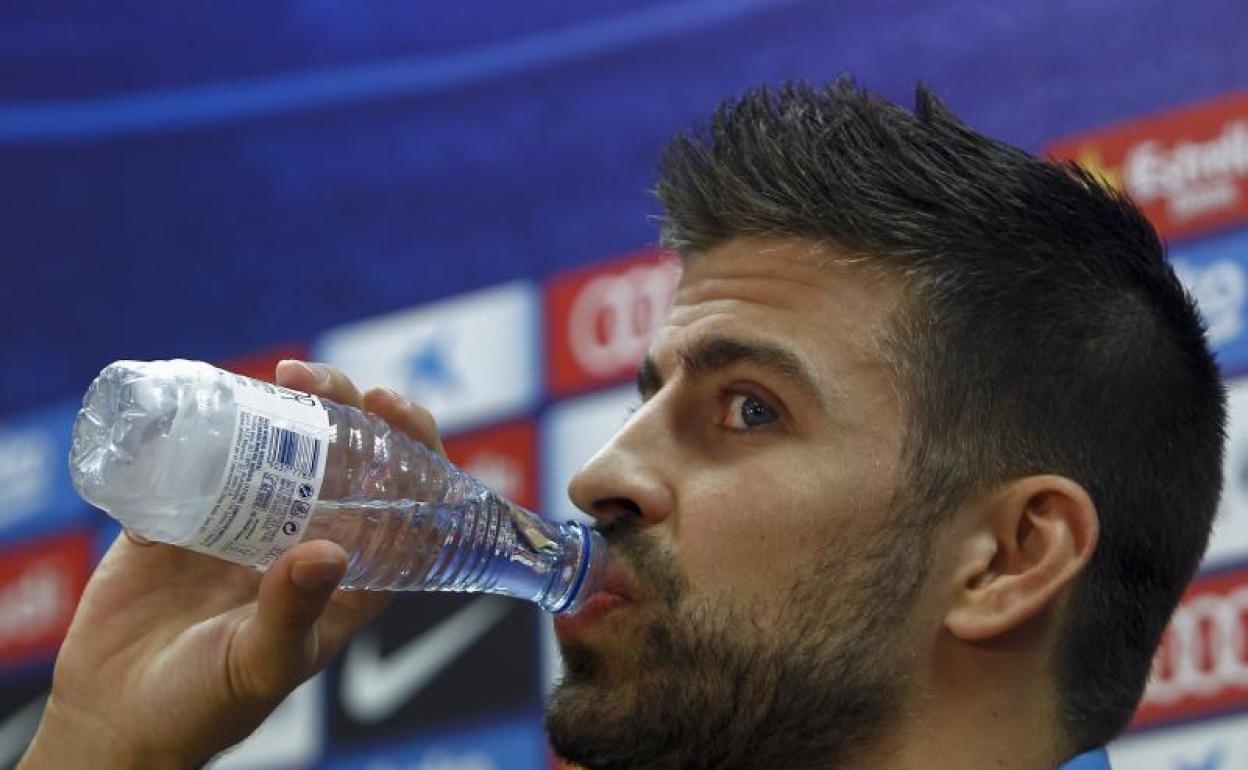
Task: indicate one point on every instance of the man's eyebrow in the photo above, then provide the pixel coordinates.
(717, 353)
(648, 379)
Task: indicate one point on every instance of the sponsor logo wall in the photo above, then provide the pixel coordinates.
(1215, 271)
(503, 456)
(36, 497)
(435, 664)
(40, 583)
(526, 380)
(1201, 668)
(601, 319)
(1188, 169)
(469, 360)
(1229, 542)
(292, 736)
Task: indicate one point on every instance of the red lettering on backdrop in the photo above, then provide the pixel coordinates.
(1201, 667)
(503, 456)
(600, 319)
(40, 584)
(1187, 168)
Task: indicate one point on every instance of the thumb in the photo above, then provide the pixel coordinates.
(278, 648)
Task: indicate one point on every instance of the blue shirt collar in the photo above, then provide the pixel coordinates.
(1092, 760)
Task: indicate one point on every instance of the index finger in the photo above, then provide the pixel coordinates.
(319, 380)
(400, 412)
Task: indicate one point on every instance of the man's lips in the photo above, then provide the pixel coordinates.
(616, 592)
(595, 608)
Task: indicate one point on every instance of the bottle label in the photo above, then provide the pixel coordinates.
(272, 477)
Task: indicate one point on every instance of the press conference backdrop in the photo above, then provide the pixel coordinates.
(451, 199)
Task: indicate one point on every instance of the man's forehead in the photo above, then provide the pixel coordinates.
(768, 254)
(828, 311)
(754, 280)
(738, 265)
(761, 266)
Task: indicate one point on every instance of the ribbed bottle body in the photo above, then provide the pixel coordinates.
(408, 519)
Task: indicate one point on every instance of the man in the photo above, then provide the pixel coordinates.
(927, 451)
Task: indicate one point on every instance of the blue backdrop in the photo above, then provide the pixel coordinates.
(202, 180)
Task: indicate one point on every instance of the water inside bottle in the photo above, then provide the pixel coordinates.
(151, 447)
(479, 545)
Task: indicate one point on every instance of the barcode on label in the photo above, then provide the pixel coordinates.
(294, 452)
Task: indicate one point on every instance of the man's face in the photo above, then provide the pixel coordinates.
(767, 581)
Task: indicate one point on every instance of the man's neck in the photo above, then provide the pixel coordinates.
(978, 711)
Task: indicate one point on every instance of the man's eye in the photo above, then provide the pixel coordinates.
(746, 411)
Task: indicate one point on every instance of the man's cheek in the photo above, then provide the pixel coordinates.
(761, 561)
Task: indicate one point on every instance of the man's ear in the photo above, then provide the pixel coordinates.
(1030, 539)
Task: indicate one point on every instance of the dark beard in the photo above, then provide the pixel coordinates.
(709, 688)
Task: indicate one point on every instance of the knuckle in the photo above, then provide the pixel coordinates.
(404, 413)
(340, 385)
(378, 399)
(423, 416)
(331, 376)
(424, 427)
(425, 421)
(337, 377)
(260, 684)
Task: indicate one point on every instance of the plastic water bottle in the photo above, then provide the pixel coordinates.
(182, 452)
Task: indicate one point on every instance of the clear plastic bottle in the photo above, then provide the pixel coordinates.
(182, 452)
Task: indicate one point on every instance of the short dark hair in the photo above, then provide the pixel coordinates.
(1043, 331)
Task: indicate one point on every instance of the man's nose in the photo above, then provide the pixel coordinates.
(630, 477)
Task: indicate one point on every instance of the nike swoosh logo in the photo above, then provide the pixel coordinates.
(373, 687)
(18, 729)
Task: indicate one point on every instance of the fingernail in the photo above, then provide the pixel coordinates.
(395, 396)
(319, 371)
(292, 363)
(137, 539)
(314, 574)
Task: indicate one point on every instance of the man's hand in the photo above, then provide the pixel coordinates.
(173, 656)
